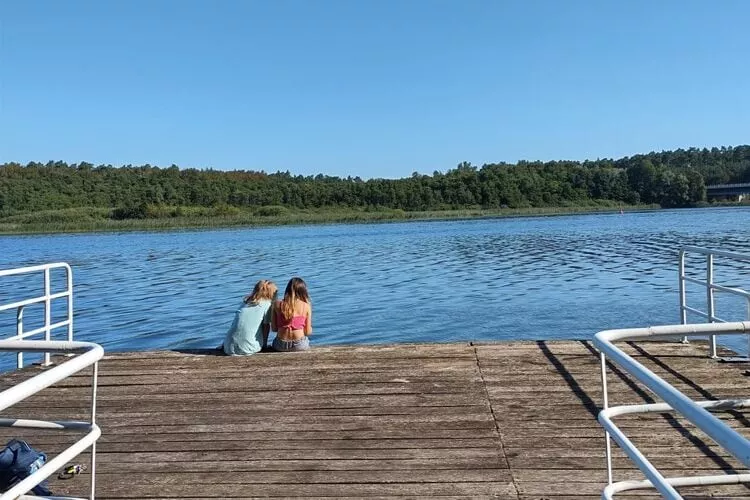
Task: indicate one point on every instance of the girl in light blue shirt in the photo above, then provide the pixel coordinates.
(252, 321)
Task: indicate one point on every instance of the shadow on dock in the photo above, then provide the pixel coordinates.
(512, 420)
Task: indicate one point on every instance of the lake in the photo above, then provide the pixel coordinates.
(564, 277)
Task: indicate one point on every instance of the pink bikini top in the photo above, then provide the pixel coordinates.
(296, 323)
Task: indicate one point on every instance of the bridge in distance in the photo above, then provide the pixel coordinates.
(741, 190)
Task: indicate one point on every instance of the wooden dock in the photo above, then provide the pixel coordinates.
(508, 420)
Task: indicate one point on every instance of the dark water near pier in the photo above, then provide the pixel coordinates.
(491, 279)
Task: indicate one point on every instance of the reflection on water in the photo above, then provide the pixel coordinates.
(526, 278)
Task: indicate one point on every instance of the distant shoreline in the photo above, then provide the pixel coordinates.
(63, 221)
(98, 220)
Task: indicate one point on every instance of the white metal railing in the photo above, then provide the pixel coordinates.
(45, 299)
(84, 354)
(674, 400)
(711, 287)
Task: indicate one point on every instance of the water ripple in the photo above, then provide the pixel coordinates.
(528, 278)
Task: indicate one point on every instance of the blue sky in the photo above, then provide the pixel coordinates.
(375, 88)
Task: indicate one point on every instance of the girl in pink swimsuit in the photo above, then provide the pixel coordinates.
(292, 318)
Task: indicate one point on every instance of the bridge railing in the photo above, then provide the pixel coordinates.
(696, 412)
(84, 355)
(725, 186)
(711, 286)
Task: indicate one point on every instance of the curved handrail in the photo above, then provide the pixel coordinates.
(45, 299)
(720, 253)
(695, 412)
(85, 354)
(88, 354)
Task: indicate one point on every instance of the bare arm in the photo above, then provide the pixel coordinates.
(274, 326)
(308, 321)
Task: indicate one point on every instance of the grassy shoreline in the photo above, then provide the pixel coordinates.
(97, 220)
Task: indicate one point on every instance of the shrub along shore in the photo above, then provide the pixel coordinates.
(61, 197)
(162, 218)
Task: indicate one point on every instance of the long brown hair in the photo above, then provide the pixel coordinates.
(264, 290)
(296, 289)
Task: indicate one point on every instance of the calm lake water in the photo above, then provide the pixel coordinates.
(491, 279)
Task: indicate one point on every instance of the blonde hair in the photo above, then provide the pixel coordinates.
(264, 290)
(296, 289)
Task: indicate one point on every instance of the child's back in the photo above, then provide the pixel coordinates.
(245, 336)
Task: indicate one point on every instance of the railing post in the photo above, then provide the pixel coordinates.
(683, 295)
(19, 333)
(47, 314)
(605, 403)
(95, 373)
(710, 299)
(69, 274)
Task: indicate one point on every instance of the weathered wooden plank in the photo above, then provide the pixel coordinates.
(311, 477)
(317, 454)
(249, 433)
(144, 445)
(118, 488)
(268, 399)
(231, 387)
(687, 464)
(320, 422)
(379, 421)
(250, 465)
(234, 414)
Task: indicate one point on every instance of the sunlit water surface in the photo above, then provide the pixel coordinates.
(490, 279)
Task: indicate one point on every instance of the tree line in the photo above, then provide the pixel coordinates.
(669, 178)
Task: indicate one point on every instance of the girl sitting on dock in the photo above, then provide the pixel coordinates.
(249, 331)
(292, 318)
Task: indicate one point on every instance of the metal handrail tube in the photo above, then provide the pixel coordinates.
(35, 300)
(53, 465)
(730, 290)
(710, 286)
(710, 304)
(694, 311)
(611, 489)
(721, 253)
(696, 413)
(32, 269)
(47, 299)
(721, 288)
(716, 319)
(607, 337)
(715, 405)
(73, 425)
(41, 329)
(605, 419)
(89, 352)
(632, 451)
(725, 436)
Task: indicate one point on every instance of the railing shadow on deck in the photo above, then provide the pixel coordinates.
(706, 394)
(593, 408)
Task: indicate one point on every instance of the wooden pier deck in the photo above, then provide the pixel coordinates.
(508, 420)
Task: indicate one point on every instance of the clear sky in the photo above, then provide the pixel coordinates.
(375, 88)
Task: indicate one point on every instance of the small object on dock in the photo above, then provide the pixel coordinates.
(71, 470)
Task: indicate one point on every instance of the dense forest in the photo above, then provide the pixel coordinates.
(670, 178)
